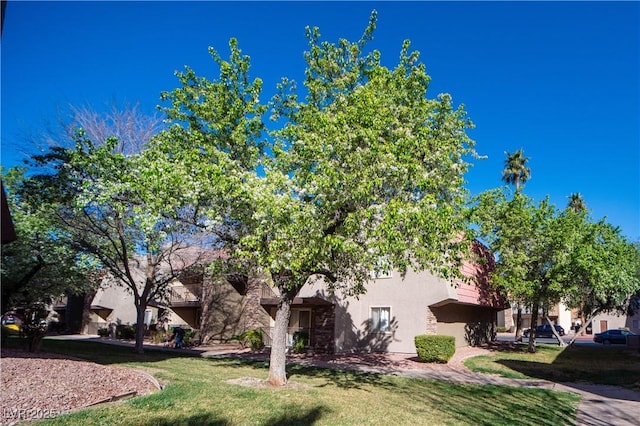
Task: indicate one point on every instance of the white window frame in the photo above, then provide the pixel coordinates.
(376, 327)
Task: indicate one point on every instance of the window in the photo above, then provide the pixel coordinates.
(304, 319)
(380, 319)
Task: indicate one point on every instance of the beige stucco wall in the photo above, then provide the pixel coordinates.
(407, 300)
(564, 317)
(614, 321)
(457, 320)
(120, 300)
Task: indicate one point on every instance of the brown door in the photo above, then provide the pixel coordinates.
(603, 326)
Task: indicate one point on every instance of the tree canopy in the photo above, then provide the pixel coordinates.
(545, 255)
(39, 264)
(363, 172)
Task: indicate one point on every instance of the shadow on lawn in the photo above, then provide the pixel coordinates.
(105, 354)
(577, 366)
(343, 379)
(195, 420)
(301, 418)
(98, 352)
(466, 403)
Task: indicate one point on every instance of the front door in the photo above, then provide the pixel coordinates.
(300, 320)
(603, 326)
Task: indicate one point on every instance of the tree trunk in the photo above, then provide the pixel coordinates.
(140, 309)
(583, 325)
(561, 342)
(532, 329)
(519, 324)
(278, 357)
(586, 319)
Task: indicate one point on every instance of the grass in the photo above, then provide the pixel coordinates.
(197, 393)
(608, 365)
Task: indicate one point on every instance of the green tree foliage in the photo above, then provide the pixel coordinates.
(601, 271)
(525, 239)
(516, 172)
(364, 173)
(130, 223)
(39, 265)
(545, 256)
(111, 207)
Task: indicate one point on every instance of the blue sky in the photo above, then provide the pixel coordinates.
(560, 80)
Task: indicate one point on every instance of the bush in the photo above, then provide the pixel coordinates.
(435, 348)
(191, 337)
(103, 332)
(125, 332)
(501, 329)
(251, 338)
(300, 341)
(159, 336)
(34, 325)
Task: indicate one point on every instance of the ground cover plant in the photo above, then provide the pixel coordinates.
(618, 366)
(197, 391)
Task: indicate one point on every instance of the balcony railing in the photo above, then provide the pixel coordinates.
(189, 294)
(267, 291)
(59, 302)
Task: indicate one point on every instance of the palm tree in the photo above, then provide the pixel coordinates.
(515, 170)
(576, 203)
(516, 173)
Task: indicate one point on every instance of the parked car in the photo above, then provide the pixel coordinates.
(545, 331)
(613, 336)
(11, 322)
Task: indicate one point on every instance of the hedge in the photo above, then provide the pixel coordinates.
(435, 348)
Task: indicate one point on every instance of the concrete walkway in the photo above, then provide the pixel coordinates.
(600, 405)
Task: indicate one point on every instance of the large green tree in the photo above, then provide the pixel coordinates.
(517, 173)
(601, 270)
(363, 172)
(528, 241)
(545, 256)
(39, 266)
(112, 205)
(129, 219)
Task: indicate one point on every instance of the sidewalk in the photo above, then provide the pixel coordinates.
(600, 405)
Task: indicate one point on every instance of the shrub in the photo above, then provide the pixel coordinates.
(191, 336)
(34, 325)
(251, 338)
(103, 332)
(300, 341)
(501, 329)
(435, 348)
(159, 336)
(125, 332)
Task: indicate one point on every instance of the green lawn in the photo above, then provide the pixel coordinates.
(197, 393)
(609, 365)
